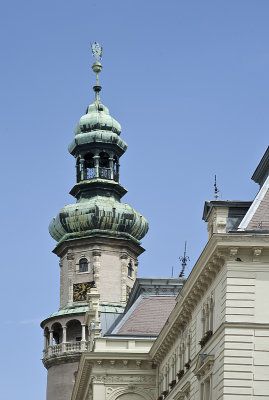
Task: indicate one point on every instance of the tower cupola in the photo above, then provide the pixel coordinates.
(97, 148)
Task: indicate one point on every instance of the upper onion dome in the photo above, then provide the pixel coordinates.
(97, 118)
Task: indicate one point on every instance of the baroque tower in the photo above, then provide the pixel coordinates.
(98, 242)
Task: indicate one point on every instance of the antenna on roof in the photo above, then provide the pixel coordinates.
(216, 190)
(172, 276)
(184, 260)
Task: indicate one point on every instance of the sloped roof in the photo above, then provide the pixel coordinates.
(147, 317)
(257, 217)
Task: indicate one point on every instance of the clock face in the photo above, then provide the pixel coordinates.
(80, 290)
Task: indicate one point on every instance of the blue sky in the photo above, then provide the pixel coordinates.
(189, 83)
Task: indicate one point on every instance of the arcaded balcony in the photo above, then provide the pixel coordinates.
(62, 339)
(100, 165)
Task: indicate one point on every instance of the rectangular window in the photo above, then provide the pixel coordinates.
(205, 389)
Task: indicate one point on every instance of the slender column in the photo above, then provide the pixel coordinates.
(64, 339)
(96, 165)
(118, 171)
(82, 168)
(83, 337)
(51, 338)
(50, 342)
(45, 342)
(111, 166)
(78, 174)
(83, 332)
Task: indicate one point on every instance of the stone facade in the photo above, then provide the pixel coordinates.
(108, 261)
(215, 345)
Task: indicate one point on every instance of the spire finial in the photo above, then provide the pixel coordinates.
(216, 190)
(184, 260)
(97, 52)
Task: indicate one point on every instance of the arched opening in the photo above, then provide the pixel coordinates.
(83, 265)
(57, 333)
(130, 269)
(78, 171)
(116, 166)
(104, 169)
(89, 166)
(130, 396)
(73, 331)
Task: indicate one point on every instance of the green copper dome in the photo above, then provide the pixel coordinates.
(97, 118)
(106, 215)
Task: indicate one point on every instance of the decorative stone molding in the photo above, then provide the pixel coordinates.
(131, 379)
(96, 254)
(257, 251)
(203, 366)
(189, 302)
(233, 252)
(124, 261)
(145, 393)
(98, 378)
(70, 255)
(123, 256)
(184, 393)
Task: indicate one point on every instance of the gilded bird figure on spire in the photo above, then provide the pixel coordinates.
(97, 51)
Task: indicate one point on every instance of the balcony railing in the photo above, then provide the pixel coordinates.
(62, 348)
(104, 173)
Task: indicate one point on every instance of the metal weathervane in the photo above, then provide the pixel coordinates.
(216, 190)
(184, 260)
(97, 51)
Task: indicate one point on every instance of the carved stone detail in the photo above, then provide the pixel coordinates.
(70, 255)
(98, 378)
(115, 393)
(129, 379)
(123, 256)
(257, 251)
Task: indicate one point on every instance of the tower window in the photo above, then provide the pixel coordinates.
(83, 265)
(130, 269)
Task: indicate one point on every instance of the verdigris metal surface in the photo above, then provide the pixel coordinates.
(97, 213)
(97, 126)
(85, 308)
(97, 117)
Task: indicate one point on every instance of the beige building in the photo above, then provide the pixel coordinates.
(116, 337)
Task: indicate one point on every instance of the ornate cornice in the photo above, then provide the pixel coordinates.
(62, 359)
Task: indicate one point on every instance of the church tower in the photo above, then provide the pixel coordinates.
(98, 243)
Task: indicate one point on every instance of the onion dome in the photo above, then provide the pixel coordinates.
(97, 125)
(97, 118)
(101, 215)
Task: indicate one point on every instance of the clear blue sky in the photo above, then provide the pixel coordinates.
(189, 83)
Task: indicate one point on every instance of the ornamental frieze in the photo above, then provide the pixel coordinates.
(127, 379)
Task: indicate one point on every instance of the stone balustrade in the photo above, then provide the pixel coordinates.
(64, 348)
